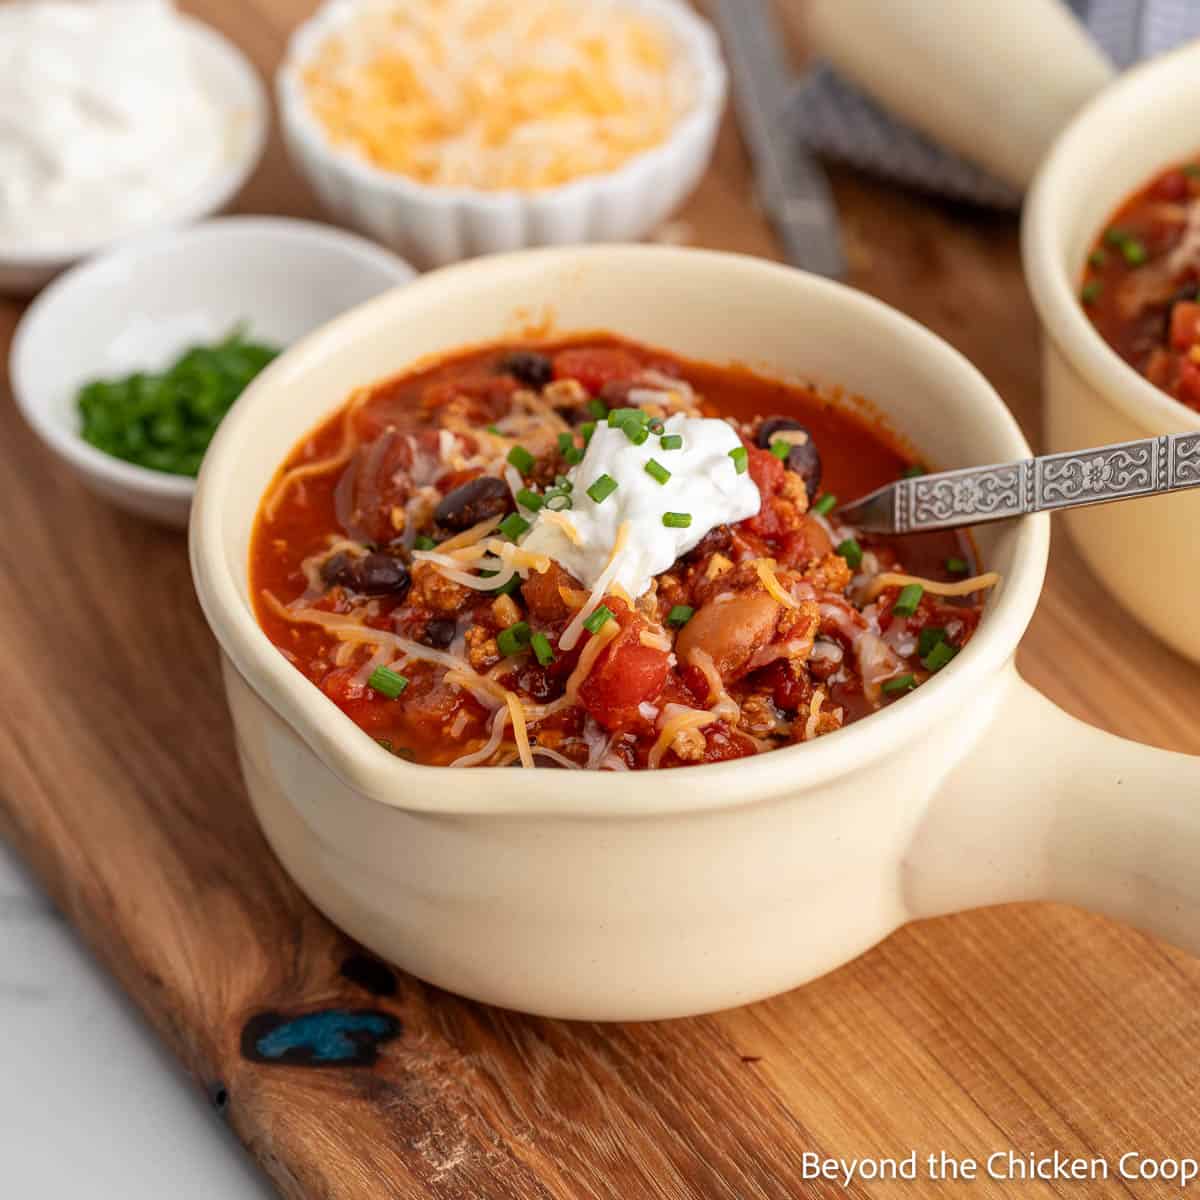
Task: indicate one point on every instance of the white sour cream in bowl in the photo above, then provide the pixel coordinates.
(116, 117)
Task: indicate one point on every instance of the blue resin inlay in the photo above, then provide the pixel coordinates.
(332, 1037)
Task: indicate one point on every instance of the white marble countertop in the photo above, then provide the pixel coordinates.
(90, 1105)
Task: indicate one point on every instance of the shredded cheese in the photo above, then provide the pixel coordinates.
(469, 537)
(765, 567)
(520, 732)
(571, 634)
(814, 714)
(935, 587)
(675, 724)
(562, 521)
(495, 95)
(587, 659)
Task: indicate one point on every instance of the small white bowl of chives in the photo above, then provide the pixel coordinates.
(237, 288)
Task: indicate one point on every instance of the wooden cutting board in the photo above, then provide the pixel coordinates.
(1031, 1028)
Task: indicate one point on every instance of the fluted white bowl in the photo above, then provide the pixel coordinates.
(433, 226)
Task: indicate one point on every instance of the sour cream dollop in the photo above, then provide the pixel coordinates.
(704, 483)
(104, 127)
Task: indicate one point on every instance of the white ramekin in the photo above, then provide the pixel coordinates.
(1144, 551)
(141, 305)
(433, 226)
(228, 77)
(657, 894)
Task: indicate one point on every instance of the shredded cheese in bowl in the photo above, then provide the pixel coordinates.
(495, 95)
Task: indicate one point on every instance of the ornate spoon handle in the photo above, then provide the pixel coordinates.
(1151, 467)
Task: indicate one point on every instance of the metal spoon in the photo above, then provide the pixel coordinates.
(1151, 467)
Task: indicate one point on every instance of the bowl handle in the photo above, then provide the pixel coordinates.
(1045, 807)
(995, 81)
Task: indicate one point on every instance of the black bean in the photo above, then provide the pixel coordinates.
(472, 502)
(381, 575)
(528, 367)
(338, 569)
(439, 632)
(803, 457)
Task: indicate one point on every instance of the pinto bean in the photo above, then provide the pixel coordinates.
(730, 631)
(472, 502)
(803, 458)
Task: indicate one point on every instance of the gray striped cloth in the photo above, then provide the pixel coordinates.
(837, 121)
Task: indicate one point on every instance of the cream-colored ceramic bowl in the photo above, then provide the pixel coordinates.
(432, 226)
(1145, 552)
(648, 895)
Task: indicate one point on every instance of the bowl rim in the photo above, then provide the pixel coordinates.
(394, 783)
(696, 34)
(1048, 222)
(39, 321)
(218, 190)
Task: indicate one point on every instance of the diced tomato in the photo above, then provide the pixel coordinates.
(1172, 187)
(1189, 383)
(593, 368)
(1185, 325)
(625, 675)
(767, 472)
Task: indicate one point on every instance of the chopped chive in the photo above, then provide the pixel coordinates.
(563, 484)
(514, 639)
(825, 505)
(506, 589)
(598, 619)
(680, 615)
(741, 459)
(1090, 292)
(931, 635)
(520, 458)
(586, 430)
(851, 551)
(424, 542)
(493, 429)
(513, 526)
(636, 431)
(912, 472)
(542, 649)
(1115, 236)
(1097, 258)
(602, 488)
(657, 471)
(1134, 252)
(529, 500)
(618, 416)
(597, 408)
(566, 442)
(907, 601)
(387, 682)
(673, 520)
(671, 441)
(781, 448)
(574, 456)
(557, 501)
(656, 426)
(899, 685)
(938, 657)
(957, 566)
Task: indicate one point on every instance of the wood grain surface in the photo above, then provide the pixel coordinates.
(1031, 1028)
